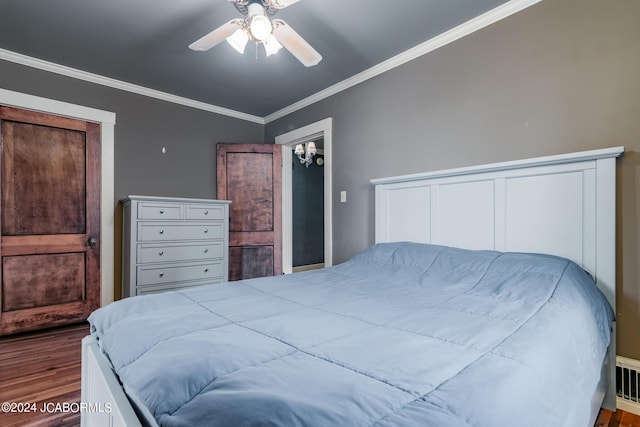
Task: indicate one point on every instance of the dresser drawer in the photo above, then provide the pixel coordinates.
(150, 275)
(205, 212)
(150, 231)
(154, 289)
(150, 210)
(149, 253)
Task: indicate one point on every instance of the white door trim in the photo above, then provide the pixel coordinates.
(107, 121)
(320, 129)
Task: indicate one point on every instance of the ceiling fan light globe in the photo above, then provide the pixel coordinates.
(238, 40)
(260, 27)
(271, 45)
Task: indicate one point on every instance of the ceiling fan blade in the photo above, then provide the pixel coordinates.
(295, 44)
(208, 41)
(281, 4)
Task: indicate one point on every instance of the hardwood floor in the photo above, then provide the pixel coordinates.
(44, 368)
(41, 368)
(617, 419)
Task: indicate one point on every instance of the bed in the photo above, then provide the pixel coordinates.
(480, 303)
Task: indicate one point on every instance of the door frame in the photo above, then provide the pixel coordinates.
(320, 129)
(107, 121)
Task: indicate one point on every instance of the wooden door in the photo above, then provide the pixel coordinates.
(50, 220)
(250, 175)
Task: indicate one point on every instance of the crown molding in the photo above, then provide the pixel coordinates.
(29, 61)
(494, 15)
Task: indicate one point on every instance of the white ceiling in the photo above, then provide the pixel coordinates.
(144, 43)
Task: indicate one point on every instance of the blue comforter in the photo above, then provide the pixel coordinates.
(401, 335)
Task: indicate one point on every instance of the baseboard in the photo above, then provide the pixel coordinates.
(307, 267)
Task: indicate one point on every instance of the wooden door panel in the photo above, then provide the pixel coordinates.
(247, 262)
(250, 186)
(28, 279)
(43, 180)
(50, 220)
(250, 175)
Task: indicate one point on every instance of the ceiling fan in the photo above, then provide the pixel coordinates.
(258, 27)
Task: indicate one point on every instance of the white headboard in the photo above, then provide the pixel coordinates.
(562, 205)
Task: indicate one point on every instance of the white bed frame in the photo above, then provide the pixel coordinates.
(562, 205)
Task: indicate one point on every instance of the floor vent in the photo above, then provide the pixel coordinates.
(628, 384)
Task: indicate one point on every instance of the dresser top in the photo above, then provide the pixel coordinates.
(172, 199)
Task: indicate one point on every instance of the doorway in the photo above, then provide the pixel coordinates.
(250, 176)
(308, 209)
(107, 122)
(313, 132)
(50, 198)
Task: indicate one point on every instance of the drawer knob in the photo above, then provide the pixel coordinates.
(206, 230)
(161, 211)
(206, 212)
(161, 231)
(161, 274)
(206, 250)
(161, 253)
(206, 270)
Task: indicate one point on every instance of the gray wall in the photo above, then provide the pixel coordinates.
(561, 76)
(143, 126)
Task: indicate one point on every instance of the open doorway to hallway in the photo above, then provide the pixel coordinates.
(308, 209)
(316, 131)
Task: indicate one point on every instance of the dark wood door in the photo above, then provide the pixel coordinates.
(250, 175)
(50, 220)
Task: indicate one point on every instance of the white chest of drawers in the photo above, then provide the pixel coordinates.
(171, 243)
